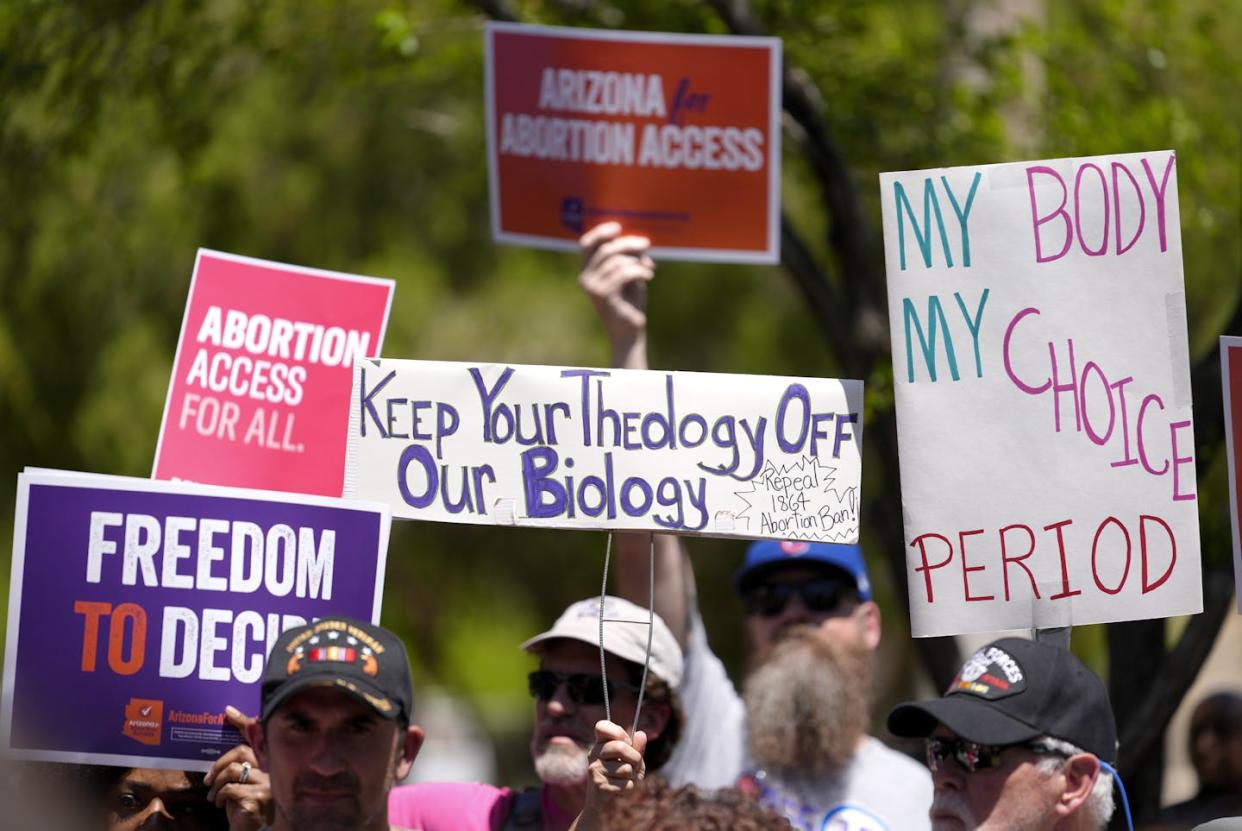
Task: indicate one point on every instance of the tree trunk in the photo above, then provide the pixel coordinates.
(1135, 648)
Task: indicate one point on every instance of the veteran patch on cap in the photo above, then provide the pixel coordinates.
(1014, 690)
(365, 661)
(990, 673)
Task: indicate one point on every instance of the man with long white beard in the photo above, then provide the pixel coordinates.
(568, 689)
(800, 739)
(807, 707)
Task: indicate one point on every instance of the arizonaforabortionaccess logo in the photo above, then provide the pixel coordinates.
(144, 720)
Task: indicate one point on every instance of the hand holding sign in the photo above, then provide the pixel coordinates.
(236, 783)
(616, 759)
(614, 274)
(616, 766)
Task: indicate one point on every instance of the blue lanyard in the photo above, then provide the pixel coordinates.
(1125, 802)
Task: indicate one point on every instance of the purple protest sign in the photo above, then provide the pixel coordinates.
(138, 610)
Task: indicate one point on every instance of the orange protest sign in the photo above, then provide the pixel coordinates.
(676, 137)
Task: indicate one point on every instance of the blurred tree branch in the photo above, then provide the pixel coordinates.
(497, 10)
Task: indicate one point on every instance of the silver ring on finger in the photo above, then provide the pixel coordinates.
(245, 774)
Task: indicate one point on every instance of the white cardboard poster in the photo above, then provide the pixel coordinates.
(1042, 379)
(685, 452)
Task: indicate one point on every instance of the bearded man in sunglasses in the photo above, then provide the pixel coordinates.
(568, 689)
(1023, 740)
(797, 737)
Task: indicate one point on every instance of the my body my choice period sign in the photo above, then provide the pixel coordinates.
(260, 383)
(558, 447)
(1043, 393)
(677, 137)
(138, 610)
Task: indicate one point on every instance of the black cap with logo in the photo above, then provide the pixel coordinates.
(357, 658)
(1014, 690)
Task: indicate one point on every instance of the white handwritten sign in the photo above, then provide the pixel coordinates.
(1043, 393)
(727, 455)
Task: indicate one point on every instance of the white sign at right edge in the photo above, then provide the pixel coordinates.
(1042, 381)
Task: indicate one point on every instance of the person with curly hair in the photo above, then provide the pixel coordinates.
(620, 797)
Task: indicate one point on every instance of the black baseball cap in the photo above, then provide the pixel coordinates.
(1014, 690)
(357, 658)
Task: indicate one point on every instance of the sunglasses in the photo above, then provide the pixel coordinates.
(581, 687)
(973, 756)
(824, 594)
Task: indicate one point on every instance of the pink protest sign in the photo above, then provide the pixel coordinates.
(1042, 382)
(260, 385)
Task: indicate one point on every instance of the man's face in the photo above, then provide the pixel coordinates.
(147, 799)
(850, 621)
(332, 761)
(564, 728)
(1013, 797)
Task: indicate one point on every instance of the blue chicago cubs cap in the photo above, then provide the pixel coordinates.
(765, 556)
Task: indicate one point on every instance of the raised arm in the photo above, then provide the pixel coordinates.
(615, 271)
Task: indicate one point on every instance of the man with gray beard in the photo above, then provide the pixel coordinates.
(568, 690)
(812, 626)
(807, 706)
(800, 739)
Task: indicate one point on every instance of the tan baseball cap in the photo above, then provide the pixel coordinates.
(625, 635)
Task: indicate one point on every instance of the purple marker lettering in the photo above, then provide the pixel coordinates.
(1017, 382)
(1086, 411)
(1178, 461)
(1138, 432)
(1038, 220)
(1070, 386)
(1125, 424)
(792, 392)
(1159, 191)
(1078, 209)
(545, 497)
(1117, 167)
(417, 453)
